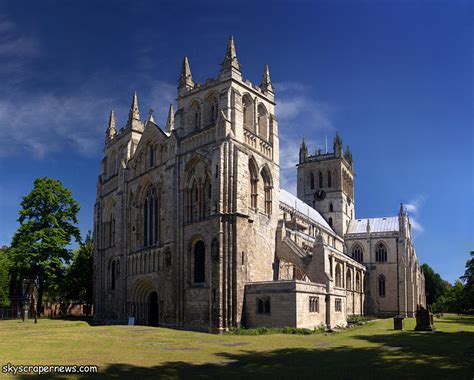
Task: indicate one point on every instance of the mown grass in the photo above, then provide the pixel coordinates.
(374, 350)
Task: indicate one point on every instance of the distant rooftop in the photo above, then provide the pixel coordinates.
(387, 224)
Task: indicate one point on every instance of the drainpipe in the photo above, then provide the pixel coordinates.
(398, 283)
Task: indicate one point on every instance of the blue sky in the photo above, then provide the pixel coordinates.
(393, 77)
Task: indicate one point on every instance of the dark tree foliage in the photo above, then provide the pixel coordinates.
(48, 219)
(468, 280)
(4, 277)
(80, 273)
(435, 286)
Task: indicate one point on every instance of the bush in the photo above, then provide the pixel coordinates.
(275, 330)
(358, 320)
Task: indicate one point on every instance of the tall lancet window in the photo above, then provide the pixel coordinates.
(248, 113)
(267, 183)
(207, 197)
(311, 180)
(253, 184)
(150, 218)
(262, 121)
(320, 180)
(329, 179)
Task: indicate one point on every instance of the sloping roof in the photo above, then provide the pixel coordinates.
(388, 224)
(305, 209)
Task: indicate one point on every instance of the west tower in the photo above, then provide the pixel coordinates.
(326, 182)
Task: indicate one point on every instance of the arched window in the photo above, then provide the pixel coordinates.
(311, 181)
(151, 156)
(338, 275)
(207, 197)
(112, 230)
(211, 109)
(248, 112)
(267, 307)
(381, 253)
(358, 282)
(349, 279)
(330, 222)
(112, 275)
(381, 285)
(260, 306)
(262, 121)
(320, 180)
(267, 182)
(331, 207)
(194, 201)
(357, 253)
(195, 116)
(199, 262)
(329, 179)
(253, 184)
(150, 218)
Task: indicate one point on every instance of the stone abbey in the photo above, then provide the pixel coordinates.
(192, 229)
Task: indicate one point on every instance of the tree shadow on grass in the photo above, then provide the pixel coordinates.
(406, 355)
(458, 319)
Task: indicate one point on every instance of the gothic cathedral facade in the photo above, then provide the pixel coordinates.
(192, 229)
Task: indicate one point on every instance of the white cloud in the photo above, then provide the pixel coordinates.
(40, 124)
(413, 208)
(299, 115)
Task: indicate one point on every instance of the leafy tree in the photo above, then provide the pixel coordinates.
(4, 277)
(455, 298)
(48, 219)
(435, 286)
(468, 280)
(79, 273)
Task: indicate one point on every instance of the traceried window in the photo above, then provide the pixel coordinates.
(313, 304)
(381, 253)
(150, 217)
(357, 253)
(199, 273)
(381, 285)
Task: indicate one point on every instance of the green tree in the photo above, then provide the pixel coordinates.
(435, 286)
(4, 277)
(456, 299)
(468, 280)
(80, 273)
(48, 219)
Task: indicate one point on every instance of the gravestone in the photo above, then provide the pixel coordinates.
(424, 319)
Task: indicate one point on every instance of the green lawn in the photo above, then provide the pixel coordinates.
(371, 351)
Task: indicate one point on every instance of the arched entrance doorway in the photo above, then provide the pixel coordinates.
(153, 310)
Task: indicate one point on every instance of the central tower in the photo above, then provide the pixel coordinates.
(326, 182)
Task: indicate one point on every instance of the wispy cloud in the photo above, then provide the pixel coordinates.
(413, 207)
(40, 124)
(300, 116)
